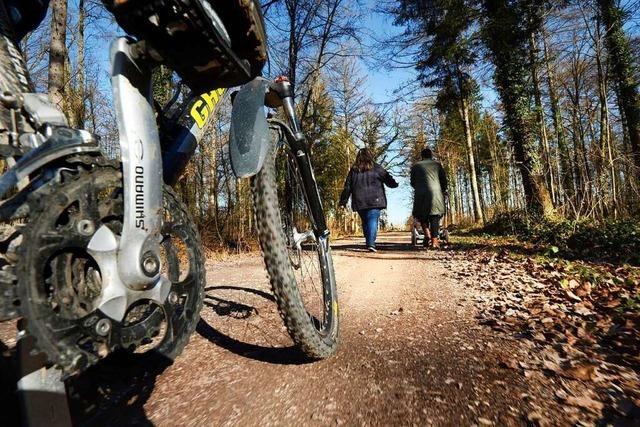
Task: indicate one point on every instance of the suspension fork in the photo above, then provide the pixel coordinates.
(300, 149)
(138, 248)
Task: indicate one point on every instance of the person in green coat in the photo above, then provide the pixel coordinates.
(429, 182)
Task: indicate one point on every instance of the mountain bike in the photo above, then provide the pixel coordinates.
(101, 255)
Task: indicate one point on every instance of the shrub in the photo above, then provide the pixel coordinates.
(511, 223)
(612, 240)
(616, 241)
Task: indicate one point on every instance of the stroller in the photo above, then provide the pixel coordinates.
(417, 233)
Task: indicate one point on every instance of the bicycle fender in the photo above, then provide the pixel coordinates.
(249, 136)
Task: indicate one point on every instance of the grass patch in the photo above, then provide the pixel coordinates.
(611, 241)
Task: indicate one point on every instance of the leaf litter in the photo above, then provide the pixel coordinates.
(580, 322)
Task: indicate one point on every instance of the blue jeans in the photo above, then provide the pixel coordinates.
(369, 219)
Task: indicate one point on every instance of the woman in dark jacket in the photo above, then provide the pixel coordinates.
(365, 185)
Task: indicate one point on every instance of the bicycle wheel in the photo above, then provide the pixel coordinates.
(414, 235)
(297, 258)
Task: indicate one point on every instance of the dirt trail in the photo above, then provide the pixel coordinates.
(411, 352)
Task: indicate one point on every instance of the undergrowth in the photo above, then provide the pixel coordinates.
(612, 241)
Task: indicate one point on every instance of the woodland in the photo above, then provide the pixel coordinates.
(532, 107)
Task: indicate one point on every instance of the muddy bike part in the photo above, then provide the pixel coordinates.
(69, 260)
(127, 265)
(296, 254)
(208, 44)
(294, 236)
(290, 220)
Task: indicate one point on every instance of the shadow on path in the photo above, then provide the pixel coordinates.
(113, 392)
(387, 250)
(242, 311)
(380, 246)
(8, 396)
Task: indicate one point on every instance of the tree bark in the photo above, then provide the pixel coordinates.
(79, 110)
(544, 140)
(477, 207)
(58, 52)
(621, 60)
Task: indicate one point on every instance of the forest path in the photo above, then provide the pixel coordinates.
(411, 352)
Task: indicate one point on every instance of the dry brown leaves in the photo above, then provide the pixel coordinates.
(581, 333)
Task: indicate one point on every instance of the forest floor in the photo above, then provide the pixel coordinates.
(484, 333)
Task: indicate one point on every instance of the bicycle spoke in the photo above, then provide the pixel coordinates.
(301, 240)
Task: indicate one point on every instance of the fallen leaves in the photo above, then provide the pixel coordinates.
(582, 322)
(484, 422)
(582, 372)
(585, 402)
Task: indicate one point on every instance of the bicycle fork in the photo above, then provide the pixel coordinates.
(300, 148)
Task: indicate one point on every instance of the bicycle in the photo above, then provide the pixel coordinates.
(106, 256)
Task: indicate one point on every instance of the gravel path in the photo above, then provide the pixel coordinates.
(412, 352)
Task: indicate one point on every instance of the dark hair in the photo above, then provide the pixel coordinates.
(364, 161)
(426, 153)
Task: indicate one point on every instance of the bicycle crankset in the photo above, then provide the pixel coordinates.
(64, 281)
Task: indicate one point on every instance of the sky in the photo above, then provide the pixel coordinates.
(380, 85)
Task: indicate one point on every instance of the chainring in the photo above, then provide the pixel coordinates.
(14, 213)
(9, 302)
(59, 283)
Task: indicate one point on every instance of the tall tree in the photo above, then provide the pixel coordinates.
(447, 52)
(507, 31)
(58, 53)
(77, 118)
(542, 125)
(565, 173)
(621, 60)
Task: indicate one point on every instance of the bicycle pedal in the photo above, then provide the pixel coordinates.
(208, 45)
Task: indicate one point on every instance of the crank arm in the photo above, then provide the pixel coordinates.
(116, 296)
(138, 249)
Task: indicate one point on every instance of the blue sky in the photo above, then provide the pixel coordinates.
(381, 84)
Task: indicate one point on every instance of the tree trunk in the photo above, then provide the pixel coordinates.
(58, 52)
(544, 141)
(477, 207)
(507, 42)
(453, 198)
(605, 135)
(497, 168)
(565, 177)
(80, 96)
(621, 60)
(292, 8)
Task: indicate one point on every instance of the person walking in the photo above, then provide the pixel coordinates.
(365, 185)
(429, 182)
